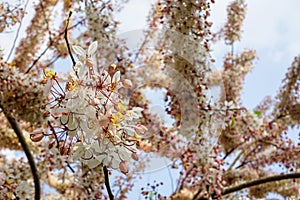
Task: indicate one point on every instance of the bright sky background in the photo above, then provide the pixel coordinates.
(270, 28)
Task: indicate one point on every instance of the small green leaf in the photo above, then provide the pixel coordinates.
(151, 195)
(257, 112)
(232, 121)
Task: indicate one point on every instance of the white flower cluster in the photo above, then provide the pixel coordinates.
(90, 117)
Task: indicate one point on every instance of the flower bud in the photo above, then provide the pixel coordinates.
(127, 83)
(52, 2)
(113, 66)
(135, 156)
(51, 144)
(123, 167)
(95, 101)
(274, 126)
(37, 136)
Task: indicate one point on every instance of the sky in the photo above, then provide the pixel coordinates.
(270, 28)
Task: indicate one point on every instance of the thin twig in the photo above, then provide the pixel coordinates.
(110, 194)
(28, 154)
(50, 44)
(66, 39)
(228, 153)
(180, 184)
(52, 61)
(36, 60)
(141, 48)
(236, 159)
(53, 132)
(71, 168)
(170, 175)
(17, 34)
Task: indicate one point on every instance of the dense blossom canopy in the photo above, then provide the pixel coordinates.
(90, 132)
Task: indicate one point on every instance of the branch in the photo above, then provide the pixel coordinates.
(110, 194)
(251, 184)
(261, 181)
(66, 38)
(236, 159)
(36, 60)
(49, 45)
(28, 154)
(17, 34)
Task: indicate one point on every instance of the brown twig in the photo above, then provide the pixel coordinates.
(110, 194)
(49, 45)
(261, 181)
(38, 58)
(66, 39)
(181, 184)
(28, 154)
(53, 132)
(253, 183)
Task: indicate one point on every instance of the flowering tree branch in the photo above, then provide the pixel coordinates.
(47, 48)
(17, 34)
(256, 182)
(110, 194)
(28, 154)
(261, 181)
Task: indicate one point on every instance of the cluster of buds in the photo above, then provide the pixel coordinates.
(288, 99)
(238, 67)
(21, 96)
(10, 15)
(236, 12)
(88, 117)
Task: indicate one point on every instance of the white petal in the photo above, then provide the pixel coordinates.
(124, 154)
(48, 87)
(72, 133)
(82, 57)
(130, 131)
(101, 157)
(137, 109)
(64, 119)
(78, 151)
(89, 132)
(78, 65)
(96, 147)
(92, 48)
(59, 110)
(78, 50)
(82, 71)
(106, 77)
(93, 162)
(116, 77)
(115, 163)
(72, 124)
